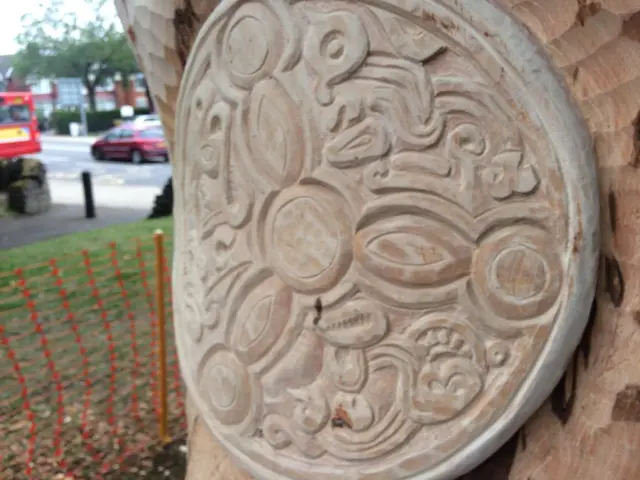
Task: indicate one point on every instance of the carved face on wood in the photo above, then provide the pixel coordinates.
(384, 216)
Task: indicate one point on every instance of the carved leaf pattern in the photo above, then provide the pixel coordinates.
(264, 307)
(276, 136)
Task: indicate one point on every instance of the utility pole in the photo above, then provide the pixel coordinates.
(83, 113)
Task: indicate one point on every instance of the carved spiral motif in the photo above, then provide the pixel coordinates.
(384, 239)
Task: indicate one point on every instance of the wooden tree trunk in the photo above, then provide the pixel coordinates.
(589, 428)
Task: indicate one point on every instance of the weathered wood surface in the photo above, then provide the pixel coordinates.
(589, 428)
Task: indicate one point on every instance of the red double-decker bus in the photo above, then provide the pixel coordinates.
(19, 134)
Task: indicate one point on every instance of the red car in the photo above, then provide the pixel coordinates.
(131, 142)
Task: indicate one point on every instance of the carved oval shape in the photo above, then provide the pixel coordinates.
(348, 368)
(516, 277)
(231, 393)
(255, 41)
(359, 324)
(262, 309)
(275, 134)
(411, 250)
(306, 237)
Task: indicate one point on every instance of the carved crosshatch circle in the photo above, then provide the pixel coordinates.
(386, 234)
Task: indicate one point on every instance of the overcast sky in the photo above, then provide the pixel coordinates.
(10, 25)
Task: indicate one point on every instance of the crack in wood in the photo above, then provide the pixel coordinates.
(499, 465)
(613, 211)
(563, 397)
(614, 280)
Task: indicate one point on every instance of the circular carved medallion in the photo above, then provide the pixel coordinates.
(386, 234)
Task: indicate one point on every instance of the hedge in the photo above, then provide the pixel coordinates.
(96, 121)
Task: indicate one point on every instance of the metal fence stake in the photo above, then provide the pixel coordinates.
(158, 238)
(89, 205)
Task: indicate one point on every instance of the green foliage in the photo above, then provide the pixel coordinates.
(54, 44)
(98, 121)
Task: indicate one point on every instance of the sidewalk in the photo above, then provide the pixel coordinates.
(61, 220)
(114, 204)
(65, 192)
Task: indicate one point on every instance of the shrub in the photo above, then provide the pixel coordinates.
(163, 205)
(96, 121)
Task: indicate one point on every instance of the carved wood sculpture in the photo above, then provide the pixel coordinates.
(387, 234)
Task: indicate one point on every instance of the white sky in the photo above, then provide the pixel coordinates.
(11, 26)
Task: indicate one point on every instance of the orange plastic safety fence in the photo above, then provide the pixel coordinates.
(177, 388)
(78, 366)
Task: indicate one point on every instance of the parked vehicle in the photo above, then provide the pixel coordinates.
(131, 142)
(147, 120)
(19, 133)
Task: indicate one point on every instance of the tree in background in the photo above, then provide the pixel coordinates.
(55, 44)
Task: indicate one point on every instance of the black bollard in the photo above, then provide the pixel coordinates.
(89, 207)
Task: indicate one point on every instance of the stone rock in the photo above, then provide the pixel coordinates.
(28, 191)
(28, 196)
(32, 168)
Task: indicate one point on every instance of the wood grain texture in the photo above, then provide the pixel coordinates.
(207, 459)
(161, 33)
(595, 45)
(589, 427)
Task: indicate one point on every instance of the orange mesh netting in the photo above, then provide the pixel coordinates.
(79, 372)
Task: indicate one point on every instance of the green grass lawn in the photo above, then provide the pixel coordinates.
(99, 299)
(35, 261)
(95, 240)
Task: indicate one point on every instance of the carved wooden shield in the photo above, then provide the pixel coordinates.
(386, 228)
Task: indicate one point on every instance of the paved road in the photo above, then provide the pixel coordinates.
(122, 193)
(67, 157)
(115, 184)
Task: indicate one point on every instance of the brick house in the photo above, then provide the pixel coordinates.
(112, 95)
